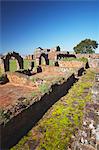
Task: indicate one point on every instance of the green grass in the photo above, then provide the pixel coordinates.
(51, 63)
(1, 71)
(44, 88)
(13, 65)
(27, 64)
(55, 129)
(83, 59)
(4, 115)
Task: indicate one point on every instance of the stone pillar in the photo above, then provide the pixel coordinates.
(18, 67)
(31, 65)
(37, 61)
(6, 64)
(2, 66)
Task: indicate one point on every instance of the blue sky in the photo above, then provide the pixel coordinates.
(26, 25)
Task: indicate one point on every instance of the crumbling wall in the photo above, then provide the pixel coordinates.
(71, 64)
(1, 66)
(18, 126)
(65, 55)
(45, 56)
(96, 56)
(29, 57)
(93, 63)
(19, 78)
(7, 57)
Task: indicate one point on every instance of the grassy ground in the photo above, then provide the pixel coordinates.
(13, 65)
(62, 120)
(83, 59)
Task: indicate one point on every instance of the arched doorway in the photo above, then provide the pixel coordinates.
(45, 56)
(13, 55)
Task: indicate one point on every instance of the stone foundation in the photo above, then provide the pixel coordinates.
(71, 64)
(93, 63)
(19, 79)
(20, 124)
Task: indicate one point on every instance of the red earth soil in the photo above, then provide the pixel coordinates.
(9, 93)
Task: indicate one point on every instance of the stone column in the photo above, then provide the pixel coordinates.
(2, 66)
(37, 61)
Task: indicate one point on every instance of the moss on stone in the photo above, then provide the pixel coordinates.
(62, 120)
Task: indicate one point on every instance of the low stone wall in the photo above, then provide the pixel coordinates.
(19, 125)
(71, 64)
(19, 78)
(87, 137)
(29, 57)
(96, 56)
(52, 55)
(3, 79)
(93, 63)
(1, 66)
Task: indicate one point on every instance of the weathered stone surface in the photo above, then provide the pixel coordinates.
(7, 57)
(71, 64)
(94, 63)
(29, 57)
(96, 56)
(87, 137)
(21, 123)
(19, 78)
(1, 65)
(3, 79)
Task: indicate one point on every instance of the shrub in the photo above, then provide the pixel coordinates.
(43, 88)
(4, 115)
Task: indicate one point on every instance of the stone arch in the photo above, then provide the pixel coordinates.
(45, 56)
(7, 58)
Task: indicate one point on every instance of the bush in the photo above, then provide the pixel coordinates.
(43, 88)
(4, 115)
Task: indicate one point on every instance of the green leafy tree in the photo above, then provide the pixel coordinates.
(87, 46)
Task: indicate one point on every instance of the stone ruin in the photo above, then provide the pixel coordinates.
(93, 62)
(45, 56)
(64, 55)
(5, 61)
(51, 54)
(39, 54)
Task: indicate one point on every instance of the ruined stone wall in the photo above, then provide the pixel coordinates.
(96, 56)
(93, 63)
(59, 54)
(71, 64)
(52, 55)
(87, 137)
(6, 59)
(19, 125)
(1, 66)
(29, 57)
(19, 79)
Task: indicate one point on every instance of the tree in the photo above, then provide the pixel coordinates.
(87, 46)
